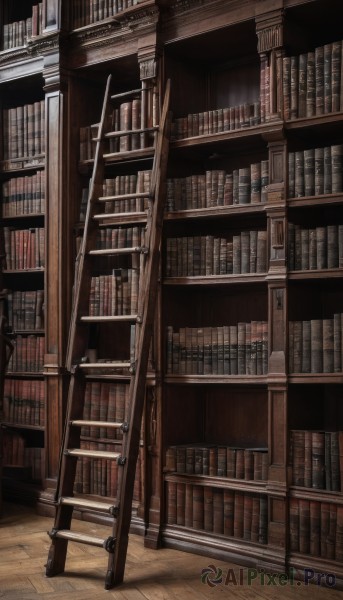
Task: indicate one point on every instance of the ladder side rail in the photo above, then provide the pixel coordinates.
(138, 382)
(95, 190)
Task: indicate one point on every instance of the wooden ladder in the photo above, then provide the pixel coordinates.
(133, 368)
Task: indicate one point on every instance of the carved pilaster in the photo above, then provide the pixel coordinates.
(269, 30)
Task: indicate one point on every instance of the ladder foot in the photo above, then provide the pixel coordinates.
(109, 579)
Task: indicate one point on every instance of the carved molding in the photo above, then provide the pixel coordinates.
(140, 18)
(269, 38)
(15, 54)
(102, 33)
(183, 5)
(148, 68)
(44, 44)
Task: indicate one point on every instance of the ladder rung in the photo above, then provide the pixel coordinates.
(79, 537)
(92, 453)
(108, 425)
(109, 319)
(124, 196)
(91, 504)
(108, 251)
(114, 134)
(132, 217)
(106, 365)
(126, 94)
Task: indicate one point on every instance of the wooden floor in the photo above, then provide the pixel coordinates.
(150, 575)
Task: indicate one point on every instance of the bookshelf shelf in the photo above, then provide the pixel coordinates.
(315, 378)
(245, 380)
(16, 425)
(314, 201)
(247, 278)
(217, 211)
(249, 135)
(219, 482)
(316, 274)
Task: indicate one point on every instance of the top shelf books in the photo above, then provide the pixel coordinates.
(24, 139)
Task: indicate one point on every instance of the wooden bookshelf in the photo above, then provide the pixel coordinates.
(256, 146)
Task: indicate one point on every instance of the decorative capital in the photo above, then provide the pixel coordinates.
(270, 38)
(148, 68)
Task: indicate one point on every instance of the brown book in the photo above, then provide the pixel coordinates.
(324, 528)
(331, 537)
(310, 85)
(247, 516)
(228, 511)
(208, 508)
(298, 456)
(328, 346)
(319, 73)
(294, 526)
(337, 168)
(238, 523)
(327, 78)
(316, 346)
(302, 85)
(318, 459)
(286, 87)
(304, 526)
(307, 458)
(188, 506)
(218, 511)
(294, 87)
(198, 507)
(180, 503)
(171, 502)
(314, 528)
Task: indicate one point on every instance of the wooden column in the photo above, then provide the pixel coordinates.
(277, 368)
(148, 64)
(269, 29)
(56, 293)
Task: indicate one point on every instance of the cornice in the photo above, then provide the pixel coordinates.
(103, 33)
(44, 44)
(35, 47)
(16, 54)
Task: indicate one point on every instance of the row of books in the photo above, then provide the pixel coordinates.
(126, 117)
(315, 247)
(247, 185)
(315, 346)
(245, 252)
(105, 402)
(222, 512)
(25, 309)
(19, 32)
(121, 185)
(23, 130)
(24, 195)
(100, 476)
(28, 354)
(17, 454)
(24, 248)
(317, 459)
(315, 171)
(240, 349)
(312, 82)
(316, 528)
(217, 121)
(91, 11)
(120, 237)
(24, 402)
(115, 294)
(218, 461)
